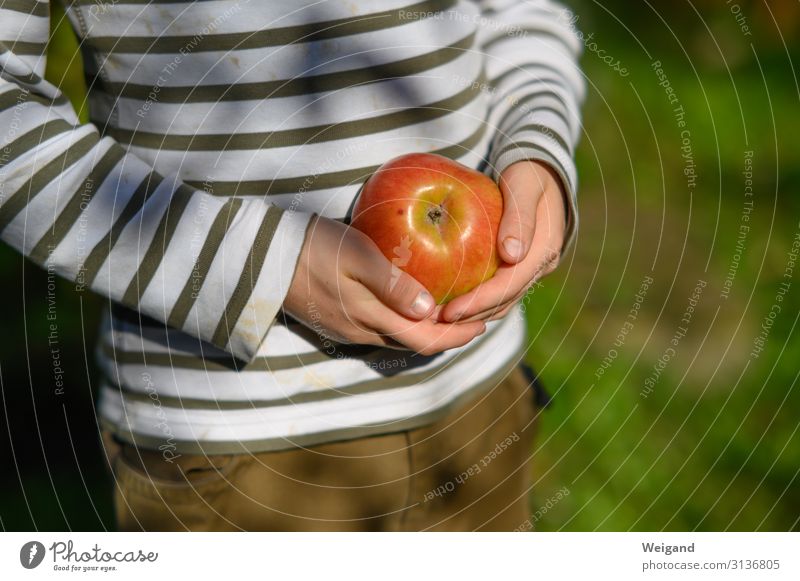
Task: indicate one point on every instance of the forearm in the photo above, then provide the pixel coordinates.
(537, 89)
(81, 206)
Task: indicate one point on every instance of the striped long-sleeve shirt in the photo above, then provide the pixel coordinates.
(218, 128)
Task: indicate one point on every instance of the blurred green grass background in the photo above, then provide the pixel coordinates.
(715, 446)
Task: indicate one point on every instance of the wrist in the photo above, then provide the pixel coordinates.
(299, 288)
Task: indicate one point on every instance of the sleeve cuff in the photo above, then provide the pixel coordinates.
(270, 287)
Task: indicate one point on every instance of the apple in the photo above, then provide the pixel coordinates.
(435, 219)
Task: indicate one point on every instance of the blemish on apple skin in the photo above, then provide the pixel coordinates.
(400, 212)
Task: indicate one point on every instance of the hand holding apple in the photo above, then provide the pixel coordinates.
(530, 239)
(434, 219)
(359, 297)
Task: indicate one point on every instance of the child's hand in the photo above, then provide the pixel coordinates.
(530, 239)
(359, 297)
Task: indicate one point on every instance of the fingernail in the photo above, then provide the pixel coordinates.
(423, 304)
(513, 247)
(482, 331)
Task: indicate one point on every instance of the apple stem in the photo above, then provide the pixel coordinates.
(435, 214)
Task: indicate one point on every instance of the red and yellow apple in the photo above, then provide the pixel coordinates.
(435, 219)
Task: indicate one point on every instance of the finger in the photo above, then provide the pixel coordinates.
(427, 337)
(396, 289)
(430, 338)
(503, 313)
(497, 311)
(507, 282)
(522, 186)
(500, 311)
(490, 299)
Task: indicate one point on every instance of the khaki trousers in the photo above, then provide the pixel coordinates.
(468, 471)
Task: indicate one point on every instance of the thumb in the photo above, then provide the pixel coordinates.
(396, 289)
(522, 185)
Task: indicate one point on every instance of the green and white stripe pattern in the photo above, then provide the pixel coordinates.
(219, 127)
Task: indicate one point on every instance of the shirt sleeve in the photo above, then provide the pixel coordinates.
(79, 205)
(537, 88)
